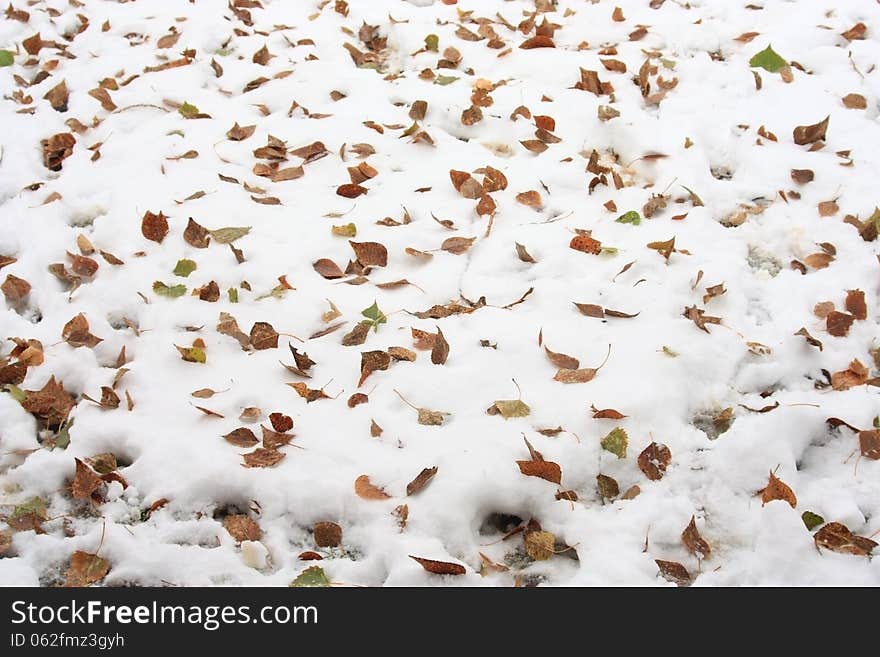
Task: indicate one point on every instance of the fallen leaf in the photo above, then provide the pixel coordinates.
(616, 442)
(654, 460)
(366, 490)
(261, 458)
(696, 544)
(837, 537)
(809, 134)
(776, 489)
(422, 480)
(440, 567)
(327, 534)
(674, 572)
(85, 569)
(242, 528)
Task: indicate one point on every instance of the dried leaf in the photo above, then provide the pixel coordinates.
(776, 489)
(242, 528)
(809, 134)
(422, 480)
(440, 567)
(696, 544)
(366, 490)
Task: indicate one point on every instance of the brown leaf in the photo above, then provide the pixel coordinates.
(608, 487)
(167, 41)
(262, 56)
(457, 245)
(855, 101)
(56, 149)
(809, 338)
(586, 244)
(274, 439)
(51, 404)
(242, 528)
(307, 393)
(372, 361)
(241, 437)
(856, 32)
(534, 145)
(674, 572)
(196, 235)
(263, 336)
(365, 489)
(440, 349)
(370, 253)
(778, 490)
(15, 289)
(103, 96)
(154, 226)
(855, 304)
(465, 184)
(869, 443)
(802, 176)
(356, 336)
(698, 317)
(809, 134)
(418, 110)
(606, 414)
(350, 190)
(855, 375)
(665, 249)
(327, 534)
(328, 269)
(544, 469)
(261, 458)
(654, 460)
(440, 567)
(838, 323)
(85, 569)
(422, 480)
(58, 96)
(562, 361)
(696, 544)
(523, 254)
(76, 333)
(85, 482)
(837, 537)
(240, 133)
(530, 198)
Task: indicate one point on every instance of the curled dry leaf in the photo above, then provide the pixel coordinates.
(809, 134)
(76, 333)
(440, 348)
(422, 480)
(440, 567)
(457, 245)
(696, 544)
(85, 569)
(85, 482)
(854, 375)
(838, 323)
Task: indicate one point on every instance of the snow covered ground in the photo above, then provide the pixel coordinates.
(496, 202)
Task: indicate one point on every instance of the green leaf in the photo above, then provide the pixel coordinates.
(188, 111)
(6, 58)
(631, 217)
(812, 520)
(15, 392)
(610, 250)
(616, 442)
(35, 505)
(877, 422)
(374, 316)
(185, 267)
(62, 440)
(509, 408)
(345, 230)
(768, 59)
(313, 576)
(233, 294)
(443, 80)
(432, 42)
(669, 352)
(229, 234)
(173, 291)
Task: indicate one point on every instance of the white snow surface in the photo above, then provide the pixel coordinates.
(168, 449)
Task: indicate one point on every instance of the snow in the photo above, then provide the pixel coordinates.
(168, 449)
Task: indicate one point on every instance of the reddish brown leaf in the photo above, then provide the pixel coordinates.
(654, 460)
(242, 528)
(440, 567)
(776, 489)
(366, 490)
(422, 480)
(696, 544)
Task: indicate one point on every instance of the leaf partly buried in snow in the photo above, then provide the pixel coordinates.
(229, 234)
(311, 577)
(366, 490)
(768, 59)
(440, 567)
(422, 480)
